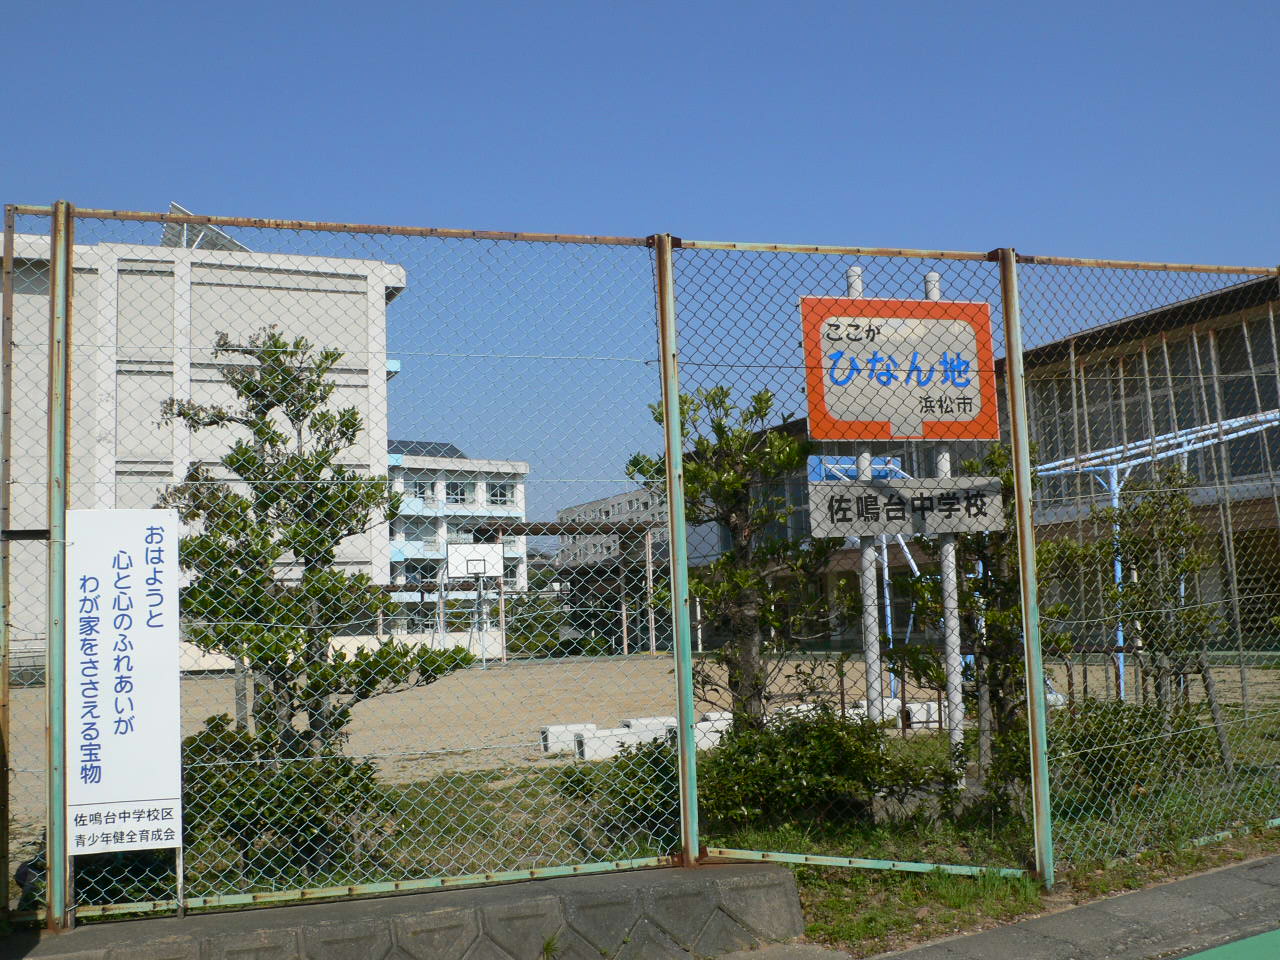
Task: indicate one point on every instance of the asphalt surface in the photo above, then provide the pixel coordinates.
(1168, 922)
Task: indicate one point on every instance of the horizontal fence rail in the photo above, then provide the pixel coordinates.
(512, 555)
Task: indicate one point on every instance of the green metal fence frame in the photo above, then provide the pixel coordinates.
(62, 215)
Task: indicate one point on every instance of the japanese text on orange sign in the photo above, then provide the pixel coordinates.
(899, 369)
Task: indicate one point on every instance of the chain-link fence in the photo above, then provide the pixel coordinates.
(845, 576)
(1153, 398)
(428, 574)
(419, 587)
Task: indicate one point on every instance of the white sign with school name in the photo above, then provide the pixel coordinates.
(909, 507)
(123, 725)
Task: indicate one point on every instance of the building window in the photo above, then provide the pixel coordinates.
(459, 491)
(423, 488)
(502, 492)
(460, 534)
(422, 572)
(417, 529)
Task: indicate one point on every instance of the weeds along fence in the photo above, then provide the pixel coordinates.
(438, 626)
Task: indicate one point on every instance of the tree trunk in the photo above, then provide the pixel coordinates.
(985, 733)
(319, 721)
(271, 708)
(746, 670)
(242, 682)
(1215, 710)
(1164, 692)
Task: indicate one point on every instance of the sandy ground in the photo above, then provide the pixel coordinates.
(479, 718)
(485, 718)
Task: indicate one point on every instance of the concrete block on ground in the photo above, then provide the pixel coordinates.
(681, 909)
(797, 710)
(923, 713)
(708, 734)
(169, 948)
(437, 933)
(597, 916)
(767, 905)
(650, 728)
(636, 723)
(347, 941)
(523, 928)
(603, 744)
(559, 737)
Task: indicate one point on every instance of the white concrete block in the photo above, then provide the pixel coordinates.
(634, 722)
(923, 713)
(649, 728)
(559, 738)
(606, 743)
(708, 733)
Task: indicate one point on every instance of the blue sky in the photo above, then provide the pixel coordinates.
(1141, 130)
(1118, 130)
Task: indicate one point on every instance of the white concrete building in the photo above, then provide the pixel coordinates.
(447, 498)
(145, 320)
(632, 507)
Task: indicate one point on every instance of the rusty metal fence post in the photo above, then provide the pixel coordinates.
(1020, 441)
(6, 447)
(58, 883)
(674, 437)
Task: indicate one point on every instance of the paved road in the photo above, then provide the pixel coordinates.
(1171, 921)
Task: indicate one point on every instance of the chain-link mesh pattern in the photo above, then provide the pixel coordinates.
(26, 307)
(854, 577)
(425, 611)
(1153, 406)
(426, 623)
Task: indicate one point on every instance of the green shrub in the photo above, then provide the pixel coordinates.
(131, 876)
(795, 768)
(628, 805)
(1106, 751)
(280, 812)
(810, 768)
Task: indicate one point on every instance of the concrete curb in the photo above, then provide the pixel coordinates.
(640, 915)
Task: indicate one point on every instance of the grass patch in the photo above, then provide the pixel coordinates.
(868, 912)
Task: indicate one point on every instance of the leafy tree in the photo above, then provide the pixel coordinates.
(1160, 548)
(535, 616)
(764, 592)
(990, 602)
(265, 530)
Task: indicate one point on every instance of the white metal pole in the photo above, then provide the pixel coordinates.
(951, 618)
(870, 610)
(1113, 487)
(950, 578)
(886, 617)
(870, 589)
(502, 616)
(648, 588)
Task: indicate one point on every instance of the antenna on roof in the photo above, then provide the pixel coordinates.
(196, 236)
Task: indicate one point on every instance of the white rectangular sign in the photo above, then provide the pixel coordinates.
(124, 739)
(907, 507)
(467, 561)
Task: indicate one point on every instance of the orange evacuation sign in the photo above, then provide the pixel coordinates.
(899, 369)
